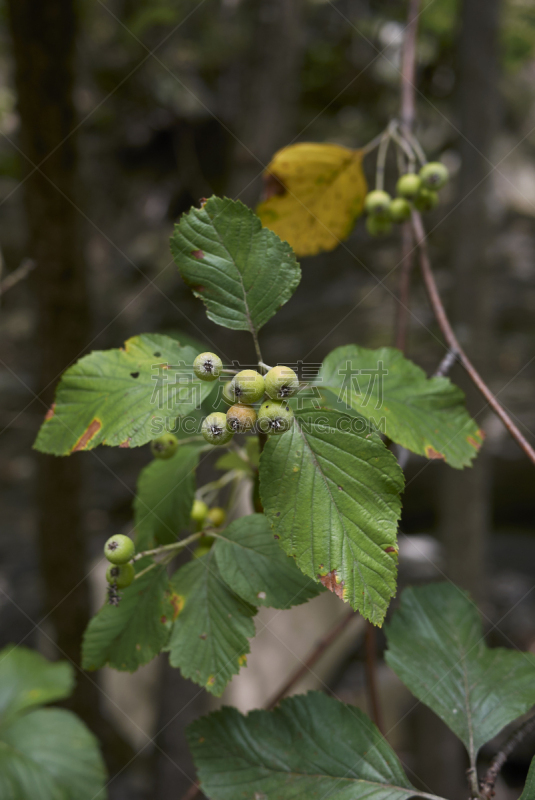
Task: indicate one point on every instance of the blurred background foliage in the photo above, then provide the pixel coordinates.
(179, 100)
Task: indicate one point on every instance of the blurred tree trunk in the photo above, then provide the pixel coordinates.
(465, 495)
(44, 35)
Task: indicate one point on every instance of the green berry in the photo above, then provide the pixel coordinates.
(434, 175)
(164, 446)
(425, 200)
(248, 387)
(119, 549)
(207, 366)
(216, 517)
(199, 510)
(241, 418)
(121, 575)
(215, 429)
(399, 210)
(408, 185)
(377, 202)
(281, 382)
(228, 393)
(378, 226)
(274, 417)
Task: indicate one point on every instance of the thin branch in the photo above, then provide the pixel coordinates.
(17, 275)
(381, 160)
(256, 346)
(169, 548)
(487, 784)
(453, 343)
(447, 363)
(407, 263)
(371, 675)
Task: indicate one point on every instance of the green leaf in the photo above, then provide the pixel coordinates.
(123, 397)
(164, 497)
(311, 746)
(255, 567)
(49, 754)
(130, 634)
(242, 272)
(209, 639)
(425, 415)
(27, 680)
(332, 497)
(529, 787)
(436, 647)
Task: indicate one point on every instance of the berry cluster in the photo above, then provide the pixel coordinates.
(418, 191)
(119, 550)
(246, 389)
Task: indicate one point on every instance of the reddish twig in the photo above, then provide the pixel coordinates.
(453, 343)
(371, 676)
(487, 784)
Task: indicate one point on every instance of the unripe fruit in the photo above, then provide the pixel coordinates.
(119, 549)
(378, 226)
(408, 185)
(425, 200)
(274, 417)
(399, 210)
(434, 175)
(121, 575)
(199, 510)
(281, 382)
(215, 429)
(241, 418)
(248, 386)
(164, 446)
(207, 366)
(227, 393)
(377, 202)
(216, 517)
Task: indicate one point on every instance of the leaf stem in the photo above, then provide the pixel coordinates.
(381, 160)
(375, 142)
(167, 548)
(256, 345)
(215, 486)
(453, 343)
(264, 367)
(487, 785)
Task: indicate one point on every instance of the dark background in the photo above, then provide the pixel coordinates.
(116, 117)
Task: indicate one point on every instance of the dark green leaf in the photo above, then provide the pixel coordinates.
(123, 397)
(436, 647)
(27, 679)
(49, 754)
(332, 497)
(164, 497)
(209, 639)
(255, 567)
(529, 788)
(425, 415)
(311, 746)
(241, 271)
(130, 634)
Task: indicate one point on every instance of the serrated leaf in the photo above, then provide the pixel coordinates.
(426, 415)
(115, 397)
(332, 497)
(436, 647)
(49, 754)
(133, 633)
(310, 746)
(315, 193)
(529, 787)
(242, 272)
(255, 567)
(27, 680)
(164, 497)
(209, 639)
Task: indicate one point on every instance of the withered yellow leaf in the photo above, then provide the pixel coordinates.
(313, 195)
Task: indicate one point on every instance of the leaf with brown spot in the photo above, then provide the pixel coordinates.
(92, 429)
(433, 454)
(330, 583)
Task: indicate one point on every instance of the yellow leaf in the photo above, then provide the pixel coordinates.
(313, 195)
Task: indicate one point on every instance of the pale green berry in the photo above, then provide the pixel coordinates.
(228, 393)
(215, 429)
(425, 200)
(281, 382)
(207, 366)
(274, 417)
(164, 446)
(119, 549)
(399, 210)
(248, 387)
(241, 418)
(199, 510)
(408, 185)
(216, 517)
(121, 575)
(378, 226)
(434, 175)
(377, 202)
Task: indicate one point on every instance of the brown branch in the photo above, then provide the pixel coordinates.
(402, 307)
(487, 784)
(371, 675)
(453, 343)
(19, 274)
